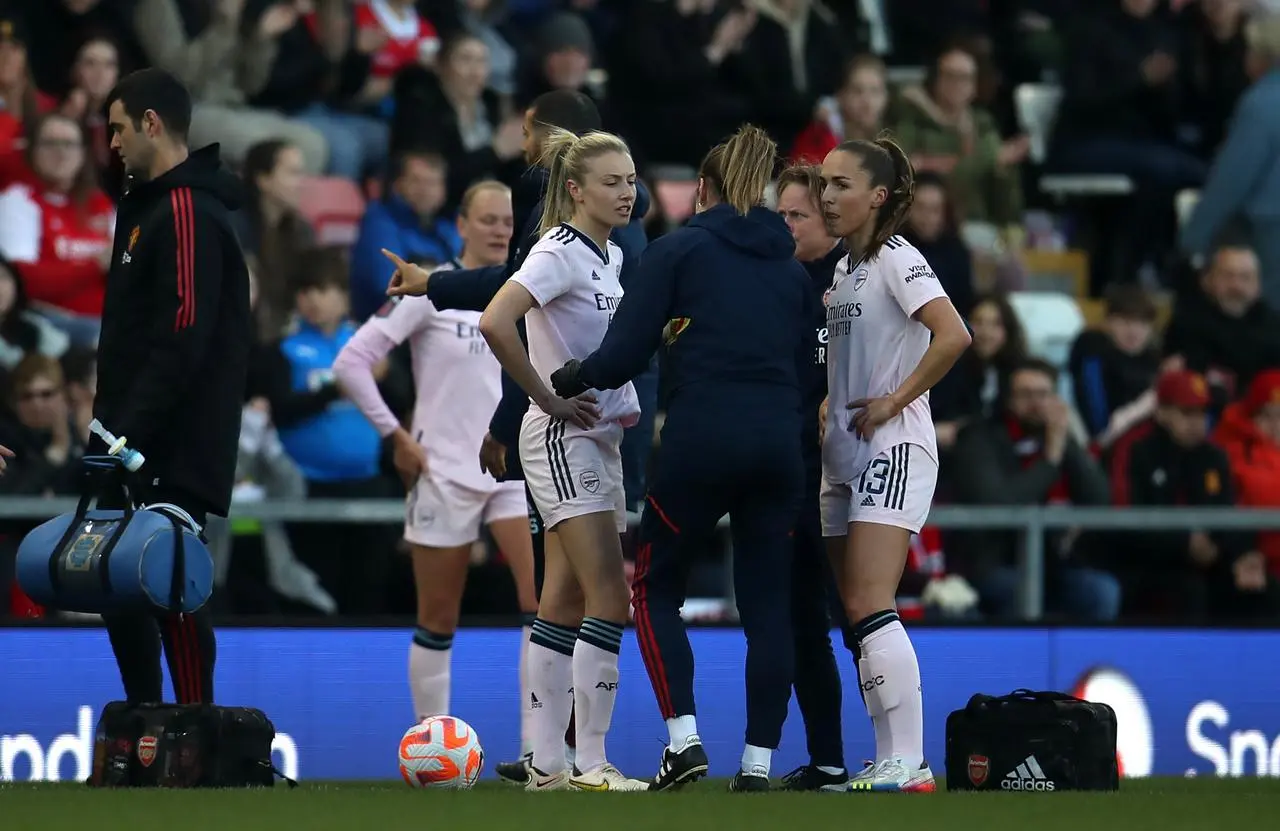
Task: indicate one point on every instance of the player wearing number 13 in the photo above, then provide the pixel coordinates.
(892, 334)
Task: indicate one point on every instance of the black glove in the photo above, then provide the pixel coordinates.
(567, 380)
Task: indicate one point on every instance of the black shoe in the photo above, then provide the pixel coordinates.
(744, 782)
(679, 769)
(517, 772)
(814, 778)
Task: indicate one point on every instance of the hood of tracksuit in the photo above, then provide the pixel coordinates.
(761, 232)
(203, 170)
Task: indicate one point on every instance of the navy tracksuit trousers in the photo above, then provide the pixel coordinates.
(744, 462)
(814, 597)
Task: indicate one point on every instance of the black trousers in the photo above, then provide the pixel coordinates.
(817, 678)
(707, 467)
(190, 646)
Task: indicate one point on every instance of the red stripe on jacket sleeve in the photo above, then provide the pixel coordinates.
(184, 232)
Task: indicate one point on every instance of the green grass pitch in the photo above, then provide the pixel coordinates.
(1205, 804)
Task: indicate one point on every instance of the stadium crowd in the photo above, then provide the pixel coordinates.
(1171, 396)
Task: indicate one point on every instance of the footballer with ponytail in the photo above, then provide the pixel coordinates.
(892, 334)
(732, 312)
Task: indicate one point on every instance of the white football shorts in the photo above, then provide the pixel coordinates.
(571, 472)
(896, 488)
(442, 514)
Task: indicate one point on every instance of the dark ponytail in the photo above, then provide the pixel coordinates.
(890, 168)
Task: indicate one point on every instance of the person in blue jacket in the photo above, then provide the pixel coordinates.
(472, 289)
(404, 220)
(736, 313)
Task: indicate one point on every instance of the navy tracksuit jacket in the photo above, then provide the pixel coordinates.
(473, 288)
(736, 313)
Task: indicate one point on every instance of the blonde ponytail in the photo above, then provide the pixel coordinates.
(557, 206)
(747, 165)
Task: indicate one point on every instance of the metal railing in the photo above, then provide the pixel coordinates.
(1030, 521)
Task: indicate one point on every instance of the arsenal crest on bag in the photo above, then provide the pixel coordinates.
(1032, 742)
(183, 746)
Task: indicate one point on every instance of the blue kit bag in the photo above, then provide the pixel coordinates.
(129, 559)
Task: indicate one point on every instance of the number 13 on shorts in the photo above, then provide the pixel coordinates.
(896, 488)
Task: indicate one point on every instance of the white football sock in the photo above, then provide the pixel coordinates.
(550, 699)
(681, 729)
(889, 661)
(595, 688)
(756, 760)
(879, 724)
(526, 708)
(429, 662)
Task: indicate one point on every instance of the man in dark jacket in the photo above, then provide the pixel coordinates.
(1026, 456)
(1169, 461)
(173, 354)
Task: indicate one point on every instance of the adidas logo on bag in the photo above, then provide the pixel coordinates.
(1027, 776)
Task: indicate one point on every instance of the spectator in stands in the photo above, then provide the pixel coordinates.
(1026, 456)
(919, 28)
(40, 434)
(1250, 434)
(208, 47)
(60, 28)
(395, 37)
(80, 371)
(932, 229)
(1168, 461)
(563, 51)
(57, 229)
(855, 112)
(304, 83)
(451, 112)
(793, 57)
(1214, 50)
(972, 390)
(22, 331)
(1113, 369)
(1244, 186)
(272, 229)
(1120, 112)
(329, 439)
(407, 221)
(481, 18)
(667, 65)
(20, 100)
(1226, 331)
(946, 134)
(93, 76)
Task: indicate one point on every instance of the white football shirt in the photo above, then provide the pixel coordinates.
(577, 288)
(457, 384)
(874, 343)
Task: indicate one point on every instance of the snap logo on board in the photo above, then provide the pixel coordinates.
(69, 756)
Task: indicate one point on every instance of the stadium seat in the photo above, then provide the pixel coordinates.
(1052, 321)
(1037, 108)
(334, 207)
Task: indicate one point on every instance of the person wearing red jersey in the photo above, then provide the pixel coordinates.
(19, 98)
(56, 226)
(403, 38)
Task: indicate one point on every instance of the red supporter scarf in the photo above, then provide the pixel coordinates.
(1029, 450)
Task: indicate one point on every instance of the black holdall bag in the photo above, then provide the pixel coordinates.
(1032, 742)
(183, 746)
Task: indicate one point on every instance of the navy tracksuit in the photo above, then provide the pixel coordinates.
(736, 313)
(817, 679)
